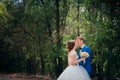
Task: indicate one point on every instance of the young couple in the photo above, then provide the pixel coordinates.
(79, 67)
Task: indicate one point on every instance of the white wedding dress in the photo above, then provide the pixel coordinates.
(74, 72)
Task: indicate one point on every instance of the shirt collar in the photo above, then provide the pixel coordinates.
(83, 46)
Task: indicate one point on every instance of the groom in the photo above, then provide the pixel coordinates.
(80, 42)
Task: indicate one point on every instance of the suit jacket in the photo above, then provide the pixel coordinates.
(87, 63)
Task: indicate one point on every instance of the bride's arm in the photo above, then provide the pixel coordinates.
(74, 61)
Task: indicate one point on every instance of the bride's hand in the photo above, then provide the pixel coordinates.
(82, 59)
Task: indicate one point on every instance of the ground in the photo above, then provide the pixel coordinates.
(19, 76)
(23, 77)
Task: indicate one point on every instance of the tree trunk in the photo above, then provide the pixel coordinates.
(42, 63)
(78, 29)
(100, 77)
(58, 59)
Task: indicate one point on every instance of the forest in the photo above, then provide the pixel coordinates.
(34, 33)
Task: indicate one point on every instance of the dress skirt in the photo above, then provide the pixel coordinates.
(74, 73)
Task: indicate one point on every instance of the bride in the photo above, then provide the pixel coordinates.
(73, 71)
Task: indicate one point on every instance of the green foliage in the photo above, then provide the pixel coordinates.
(103, 36)
(33, 36)
(3, 14)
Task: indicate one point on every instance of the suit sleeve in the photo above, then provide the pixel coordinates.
(78, 53)
(88, 59)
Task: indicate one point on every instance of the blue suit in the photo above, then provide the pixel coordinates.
(87, 63)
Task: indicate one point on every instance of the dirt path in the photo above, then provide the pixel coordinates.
(23, 77)
(8, 78)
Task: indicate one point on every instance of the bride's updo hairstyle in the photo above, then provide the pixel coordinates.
(70, 45)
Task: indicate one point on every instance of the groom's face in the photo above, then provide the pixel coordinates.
(79, 42)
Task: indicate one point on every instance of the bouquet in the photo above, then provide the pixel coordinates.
(84, 55)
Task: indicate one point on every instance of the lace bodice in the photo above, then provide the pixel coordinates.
(73, 52)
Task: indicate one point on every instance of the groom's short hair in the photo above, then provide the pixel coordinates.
(81, 38)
